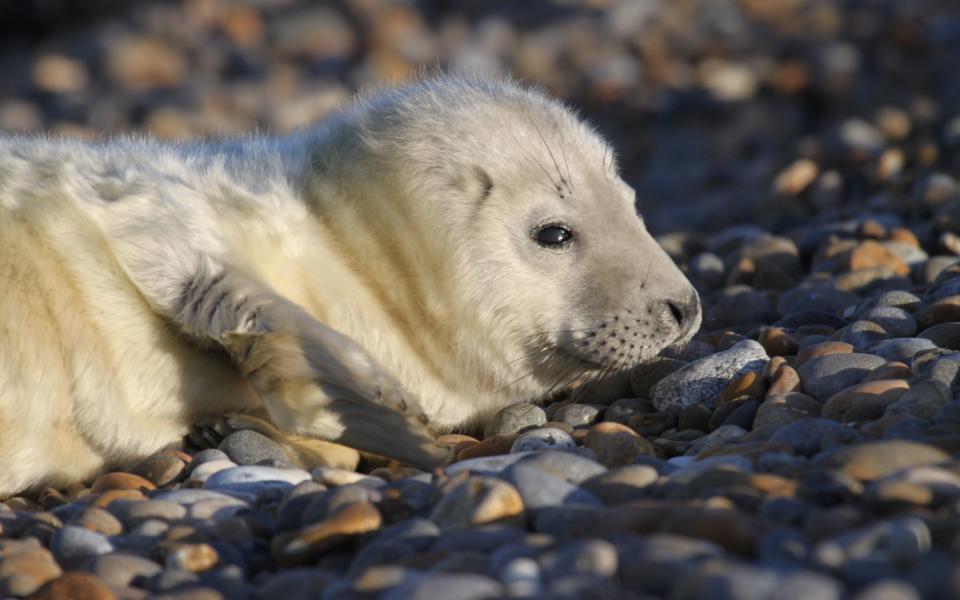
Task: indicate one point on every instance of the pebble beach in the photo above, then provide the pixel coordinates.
(799, 159)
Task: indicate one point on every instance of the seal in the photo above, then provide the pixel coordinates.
(415, 263)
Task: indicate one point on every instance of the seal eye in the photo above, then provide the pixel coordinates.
(553, 235)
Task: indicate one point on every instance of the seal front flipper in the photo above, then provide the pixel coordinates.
(314, 381)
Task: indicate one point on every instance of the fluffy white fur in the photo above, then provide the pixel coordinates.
(359, 282)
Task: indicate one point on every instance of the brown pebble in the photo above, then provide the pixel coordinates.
(25, 566)
(874, 460)
(616, 445)
(863, 401)
(780, 409)
(478, 501)
(159, 469)
(74, 585)
(822, 349)
(104, 499)
(891, 370)
(491, 446)
(870, 255)
(302, 546)
(99, 520)
(195, 558)
(749, 384)
(871, 228)
(904, 236)
(777, 342)
(773, 485)
(941, 311)
(121, 481)
(457, 441)
(784, 381)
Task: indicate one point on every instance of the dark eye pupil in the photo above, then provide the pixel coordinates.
(553, 236)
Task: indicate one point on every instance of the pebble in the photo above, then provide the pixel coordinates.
(895, 321)
(874, 460)
(809, 436)
(543, 438)
(248, 447)
(616, 445)
(539, 489)
(478, 501)
(901, 349)
(824, 376)
(703, 380)
(71, 545)
(252, 478)
(515, 418)
(622, 484)
(121, 569)
(302, 546)
(160, 469)
(780, 409)
(74, 585)
(864, 401)
(25, 567)
(567, 465)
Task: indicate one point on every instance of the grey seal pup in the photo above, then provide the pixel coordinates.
(415, 263)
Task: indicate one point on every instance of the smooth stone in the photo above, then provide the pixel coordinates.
(891, 370)
(810, 317)
(478, 501)
(861, 335)
(122, 569)
(160, 469)
(874, 460)
(654, 424)
(248, 447)
(719, 437)
(578, 415)
(207, 469)
(566, 465)
(821, 349)
(121, 481)
(863, 401)
(809, 436)
(74, 585)
(252, 478)
(449, 586)
(943, 335)
(188, 497)
(616, 445)
(543, 438)
(739, 305)
(702, 381)
(305, 545)
(205, 456)
(514, 418)
(485, 465)
(71, 544)
(521, 577)
(540, 490)
(780, 409)
(923, 400)
(582, 557)
(826, 375)
(939, 485)
(333, 477)
(99, 520)
(901, 349)
(821, 298)
(888, 589)
(491, 446)
(896, 542)
(783, 380)
(134, 512)
(622, 484)
(25, 567)
(656, 562)
(895, 321)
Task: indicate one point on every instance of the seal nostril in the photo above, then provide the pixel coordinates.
(676, 311)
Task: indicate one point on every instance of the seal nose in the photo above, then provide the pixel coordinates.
(684, 312)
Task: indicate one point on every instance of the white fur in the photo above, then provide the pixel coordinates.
(374, 225)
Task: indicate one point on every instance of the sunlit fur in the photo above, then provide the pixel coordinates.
(405, 223)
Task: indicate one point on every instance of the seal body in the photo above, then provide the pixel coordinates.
(424, 258)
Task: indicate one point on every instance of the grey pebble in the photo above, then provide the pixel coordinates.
(701, 381)
(449, 586)
(247, 447)
(901, 349)
(121, 569)
(826, 375)
(539, 489)
(809, 436)
(895, 321)
(71, 544)
(514, 418)
(543, 438)
(578, 415)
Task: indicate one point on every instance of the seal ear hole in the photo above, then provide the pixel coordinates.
(486, 182)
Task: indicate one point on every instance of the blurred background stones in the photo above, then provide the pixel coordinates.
(723, 111)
